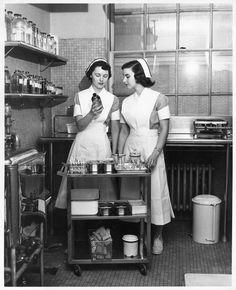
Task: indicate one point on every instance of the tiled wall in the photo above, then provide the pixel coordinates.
(79, 52)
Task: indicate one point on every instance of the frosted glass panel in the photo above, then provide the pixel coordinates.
(222, 72)
(193, 73)
(194, 30)
(193, 105)
(162, 66)
(128, 32)
(222, 30)
(222, 105)
(172, 103)
(161, 31)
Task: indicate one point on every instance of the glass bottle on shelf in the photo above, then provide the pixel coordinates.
(33, 34)
(7, 80)
(18, 28)
(17, 82)
(55, 47)
(39, 39)
(36, 84)
(28, 34)
(8, 28)
(37, 33)
(51, 44)
(10, 15)
(44, 86)
(49, 88)
(28, 82)
(44, 40)
(25, 22)
(48, 43)
(40, 85)
(24, 82)
(9, 20)
(32, 84)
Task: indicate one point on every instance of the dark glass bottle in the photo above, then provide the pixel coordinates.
(7, 80)
(17, 82)
(96, 99)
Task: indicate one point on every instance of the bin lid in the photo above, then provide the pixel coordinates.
(85, 194)
(206, 199)
(130, 238)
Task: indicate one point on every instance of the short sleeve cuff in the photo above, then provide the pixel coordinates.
(115, 115)
(77, 110)
(164, 113)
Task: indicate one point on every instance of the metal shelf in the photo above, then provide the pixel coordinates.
(30, 53)
(26, 101)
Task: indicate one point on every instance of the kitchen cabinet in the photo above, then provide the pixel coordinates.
(79, 252)
(36, 55)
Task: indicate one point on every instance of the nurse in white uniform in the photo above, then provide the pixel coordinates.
(144, 128)
(91, 142)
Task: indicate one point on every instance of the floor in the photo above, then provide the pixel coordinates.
(181, 255)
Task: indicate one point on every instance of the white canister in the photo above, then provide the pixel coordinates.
(130, 243)
(206, 218)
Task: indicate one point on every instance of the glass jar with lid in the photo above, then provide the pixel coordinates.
(43, 41)
(8, 25)
(29, 31)
(18, 28)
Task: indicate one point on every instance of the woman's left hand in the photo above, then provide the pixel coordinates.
(152, 159)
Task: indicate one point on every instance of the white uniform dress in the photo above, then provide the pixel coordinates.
(142, 114)
(92, 143)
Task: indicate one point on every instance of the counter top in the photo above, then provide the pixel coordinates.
(171, 140)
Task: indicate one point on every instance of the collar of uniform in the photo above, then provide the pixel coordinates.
(137, 97)
(93, 91)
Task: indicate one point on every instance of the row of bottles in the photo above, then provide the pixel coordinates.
(18, 28)
(24, 82)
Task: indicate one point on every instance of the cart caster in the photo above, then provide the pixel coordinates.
(143, 269)
(77, 270)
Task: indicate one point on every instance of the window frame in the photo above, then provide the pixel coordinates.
(179, 9)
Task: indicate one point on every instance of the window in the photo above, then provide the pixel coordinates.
(188, 48)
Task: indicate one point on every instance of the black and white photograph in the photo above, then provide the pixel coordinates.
(118, 143)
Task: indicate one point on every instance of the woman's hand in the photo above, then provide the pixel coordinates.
(152, 159)
(96, 109)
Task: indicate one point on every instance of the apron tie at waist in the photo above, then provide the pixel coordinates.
(143, 133)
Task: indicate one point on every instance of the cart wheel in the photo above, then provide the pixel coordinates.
(77, 270)
(143, 269)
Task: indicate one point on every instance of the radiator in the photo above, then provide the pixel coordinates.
(186, 181)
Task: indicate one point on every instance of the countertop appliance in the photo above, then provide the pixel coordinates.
(211, 129)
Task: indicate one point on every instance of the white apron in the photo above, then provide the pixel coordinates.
(137, 114)
(91, 144)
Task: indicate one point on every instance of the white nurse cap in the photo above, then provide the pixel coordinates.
(94, 61)
(145, 67)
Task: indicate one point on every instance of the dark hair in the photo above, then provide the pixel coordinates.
(138, 73)
(103, 64)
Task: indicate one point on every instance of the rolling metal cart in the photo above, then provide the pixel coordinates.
(79, 254)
